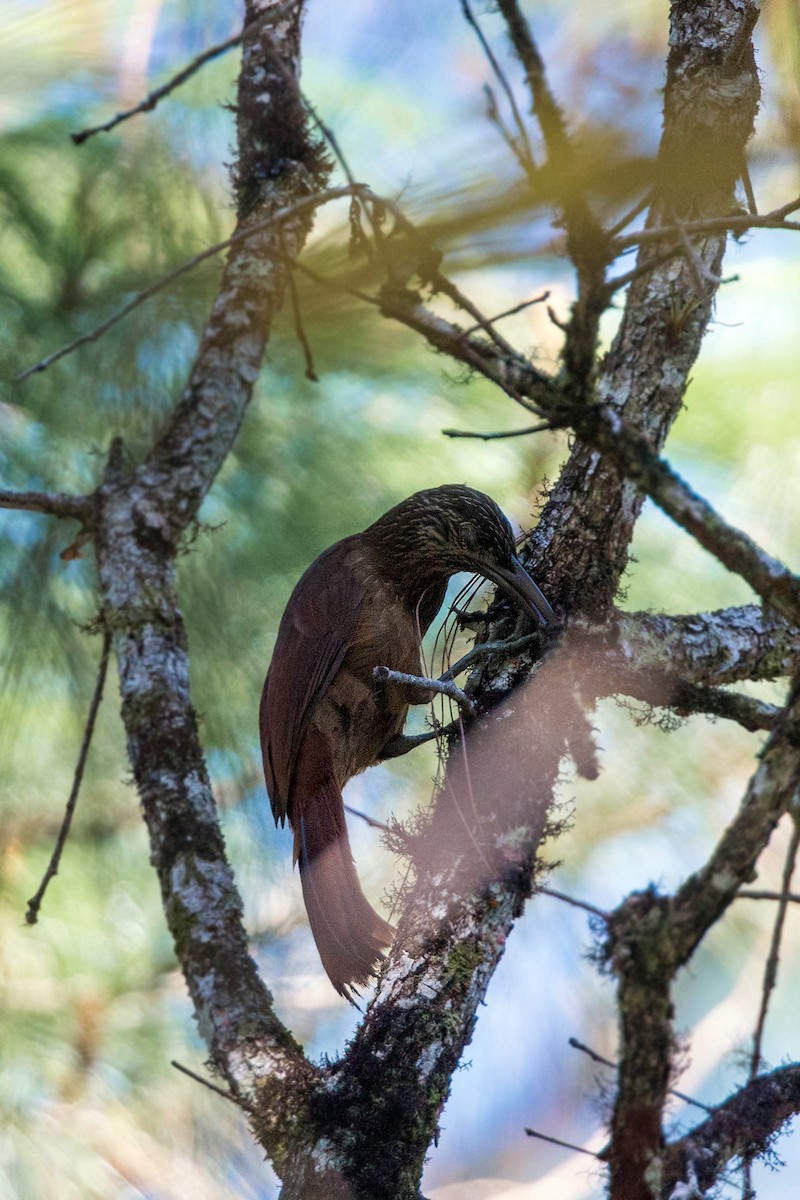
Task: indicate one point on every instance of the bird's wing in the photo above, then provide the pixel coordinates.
(316, 630)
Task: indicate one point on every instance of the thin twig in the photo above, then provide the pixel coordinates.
(35, 902)
(299, 327)
(630, 215)
(701, 274)
(621, 281)
(747, 184)
(241, 235)
(758, 894)
(544, 1137)
(212, 1087)
(607, 1062)
(365, 817)
(771, 966)
(735, 222)
(152, 98)
(509, 312)
(494, 115)
(445, 686)
(486, 650)
(590, 908)
(521, 146)
(501, 433)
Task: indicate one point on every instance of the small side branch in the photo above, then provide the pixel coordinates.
(752, 714)
(633, 455)
(54, 504)
(554, 1141)
(212, 1087)
(503, 650)
(502, 433)
(771, 967)
(607, 1062)
(424, 686)
(35, 902)
(733, 223)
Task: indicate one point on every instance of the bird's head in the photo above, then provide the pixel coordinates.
(455, 528)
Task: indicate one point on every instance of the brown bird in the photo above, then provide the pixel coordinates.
(365, 602)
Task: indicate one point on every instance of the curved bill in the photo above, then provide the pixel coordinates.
(518, 583)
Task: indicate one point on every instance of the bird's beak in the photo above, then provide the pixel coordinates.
(519, 584)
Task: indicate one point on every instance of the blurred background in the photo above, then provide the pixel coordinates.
(92, 1008)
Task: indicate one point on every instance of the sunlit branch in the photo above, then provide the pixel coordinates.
(419, 683)
(758, 894)
(501, 433)
(632, 454)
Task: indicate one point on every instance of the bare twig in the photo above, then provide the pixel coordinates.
(152, 98)
(747, 184)
(607, 1062)
(373, 824)
(418, 682)
(520, 145)
(487, 650)
(630, 215)
(501, 433)
(35, 902)
(299, 327)
(771, 965)
(277, 218)
(587, 242)
(701, 273)
(634, 456)
(509, 312)
(212, 1087)
(334, 286)
(617, 282)
(544, 1137)
(734, 222)
(590, 908)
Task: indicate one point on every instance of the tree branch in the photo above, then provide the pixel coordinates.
(54, 504)
(247, 231)
(35, 902)
(142, 514)
(651, 937)
(745, 1125)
